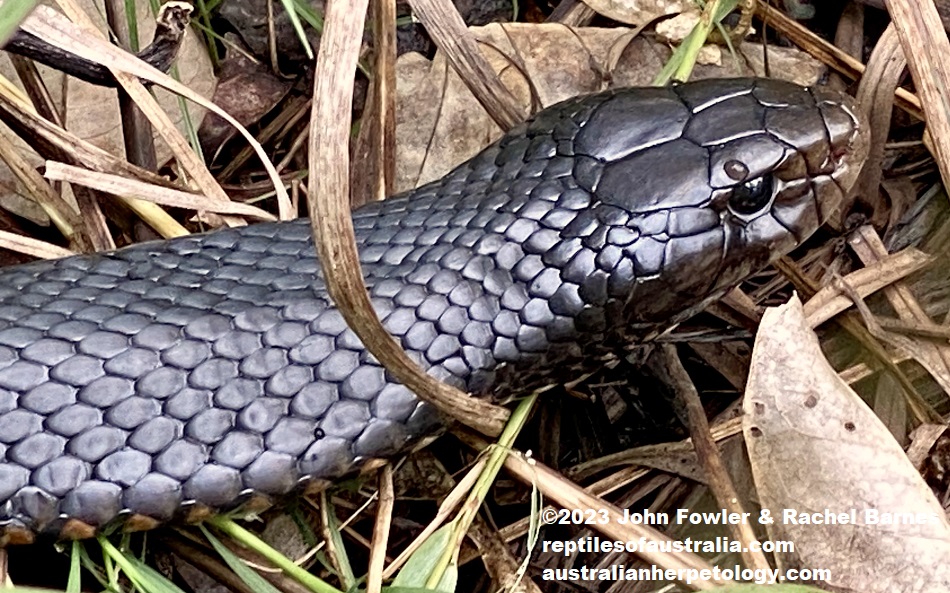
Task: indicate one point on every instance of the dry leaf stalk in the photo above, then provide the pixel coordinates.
(666, 362)
(829, 301)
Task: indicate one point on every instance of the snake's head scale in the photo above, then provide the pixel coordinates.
(712, 180)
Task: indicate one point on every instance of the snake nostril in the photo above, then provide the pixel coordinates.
(736, 170)
(838, 153)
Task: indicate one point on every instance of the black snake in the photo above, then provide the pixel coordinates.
(191, 374)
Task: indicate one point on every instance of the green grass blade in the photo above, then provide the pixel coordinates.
(111, 570)
(203, 22)
(249, 540)
(420, 566)
(309, 15)
(434, 566)
(143, 577)
(497, 454)
(681, 63)
(74, 584)
(292, 11)
(247, 574)
(132, 22)
(333, 528)
(93, 567)
(11, 15)
(152, 581)
(303, 525)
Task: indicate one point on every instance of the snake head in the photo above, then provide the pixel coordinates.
(717, 179)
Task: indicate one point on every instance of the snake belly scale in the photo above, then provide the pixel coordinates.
(141, 384)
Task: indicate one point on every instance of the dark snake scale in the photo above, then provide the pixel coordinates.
(140, 385)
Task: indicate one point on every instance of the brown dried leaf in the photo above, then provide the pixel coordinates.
(815, 447)
(440, 124)
(247, 90)
(639, 12)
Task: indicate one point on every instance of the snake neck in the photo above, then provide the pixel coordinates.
(548, 275)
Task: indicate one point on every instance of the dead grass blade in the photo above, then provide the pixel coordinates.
(876, 97)
(82, 38)
(829, 301)
(333, 224)
(448, 506)
(63, 217)
(59, 31)
(497, 558)
(384, 516)
(571, 496)
(36, 130)
(931, 355)
(122, 186)
(30, 246)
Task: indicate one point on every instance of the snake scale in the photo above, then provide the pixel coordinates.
(141, 385)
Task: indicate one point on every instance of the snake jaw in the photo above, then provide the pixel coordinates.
(773, 177)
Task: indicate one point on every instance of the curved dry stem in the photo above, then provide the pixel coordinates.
(333, 225)
(876, 97)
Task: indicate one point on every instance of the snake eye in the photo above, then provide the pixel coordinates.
(751, 196)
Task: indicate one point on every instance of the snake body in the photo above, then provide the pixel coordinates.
(140, 385)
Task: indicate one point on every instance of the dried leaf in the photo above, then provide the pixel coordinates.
(440, 124)
(818, 451)
(639, 12)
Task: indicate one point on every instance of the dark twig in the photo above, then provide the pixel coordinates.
(666, 363)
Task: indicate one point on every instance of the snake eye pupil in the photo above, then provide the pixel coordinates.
(751, 196)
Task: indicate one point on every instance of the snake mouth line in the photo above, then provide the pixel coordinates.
(851, 152)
